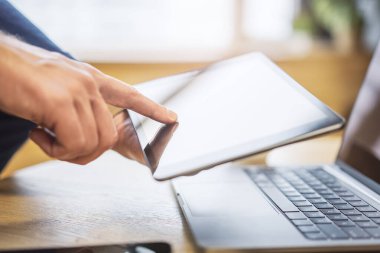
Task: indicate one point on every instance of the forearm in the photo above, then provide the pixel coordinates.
(13, 72)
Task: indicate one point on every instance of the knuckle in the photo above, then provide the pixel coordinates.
(79, 145)
(88, 81)
(93, 144)
(91, 69)
(62, 99)
(133, 93)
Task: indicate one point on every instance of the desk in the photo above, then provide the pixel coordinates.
(111, 200)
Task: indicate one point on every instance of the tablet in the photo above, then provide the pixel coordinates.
(230, 110)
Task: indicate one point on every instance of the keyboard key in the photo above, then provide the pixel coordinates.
(332, 231)
(360, 217)
(279, 199)
(360, 203)
(314, 214)
(346, 194)
(336, 201)
(323, 205)
(331, 196)
(330, 211)
(368, 209)
(320, 220)
(335, 217)
(315, 236)
(302, 222)
(351, 212)
(317, 201)
(325, 191)
(318, 186)
(298, 185)
(285, 188)
(367, 224)
(338, 189)
(374, 232)
(306, 191)
(298, 198)
(292, 194)
(356, 233)
(295, 215)
(308, 229)
(302, 203)
(344, 223)
(376, 220)
(330, 183)
(352, 198)
(308, 208)
(311, 195)
(343, 207)
(302, 186)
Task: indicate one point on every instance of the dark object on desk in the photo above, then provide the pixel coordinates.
(159, 247)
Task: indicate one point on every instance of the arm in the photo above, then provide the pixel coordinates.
(67, 97)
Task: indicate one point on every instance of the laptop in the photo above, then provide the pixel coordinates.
(333, 207)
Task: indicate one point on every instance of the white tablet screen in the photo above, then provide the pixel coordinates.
(234, 103)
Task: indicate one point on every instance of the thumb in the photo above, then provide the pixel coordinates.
(120, 94)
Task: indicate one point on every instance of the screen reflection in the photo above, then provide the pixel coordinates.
(129, 145)
(361, 145)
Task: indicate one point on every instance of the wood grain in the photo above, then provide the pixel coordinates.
(111, 200)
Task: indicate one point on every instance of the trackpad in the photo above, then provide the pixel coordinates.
(225, 199)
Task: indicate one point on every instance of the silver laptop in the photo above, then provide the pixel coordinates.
(319, 208)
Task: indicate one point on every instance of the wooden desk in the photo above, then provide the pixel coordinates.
(112, 200)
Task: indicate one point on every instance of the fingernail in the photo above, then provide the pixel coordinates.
(172, 115)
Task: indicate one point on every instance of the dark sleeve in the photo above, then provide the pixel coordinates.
(14, 23)
(14, 131)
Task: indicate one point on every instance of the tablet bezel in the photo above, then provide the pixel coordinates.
(332, 122)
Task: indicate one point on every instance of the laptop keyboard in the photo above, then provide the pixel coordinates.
(318, 205)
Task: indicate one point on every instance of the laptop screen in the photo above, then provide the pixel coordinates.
(361, 144)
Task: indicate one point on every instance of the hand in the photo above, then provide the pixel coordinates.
(67, 97)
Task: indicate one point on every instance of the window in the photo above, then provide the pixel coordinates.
(165, 30)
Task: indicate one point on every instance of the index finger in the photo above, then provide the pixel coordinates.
(120, 94)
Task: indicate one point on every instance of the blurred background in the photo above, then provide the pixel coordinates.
(325, 45)
(196, 30)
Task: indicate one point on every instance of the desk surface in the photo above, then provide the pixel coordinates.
(112, 200)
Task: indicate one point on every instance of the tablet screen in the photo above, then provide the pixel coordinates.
(232, 109)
